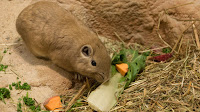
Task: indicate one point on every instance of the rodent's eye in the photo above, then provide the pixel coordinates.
(93, 63)
(86, 50)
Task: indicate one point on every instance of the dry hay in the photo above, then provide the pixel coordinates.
(171, 86)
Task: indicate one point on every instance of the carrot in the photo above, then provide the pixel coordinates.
(122, 68)
(53, 103)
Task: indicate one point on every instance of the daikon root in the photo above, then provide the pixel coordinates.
(106, 95)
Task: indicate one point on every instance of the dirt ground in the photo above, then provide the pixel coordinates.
(139, 24)
(45, 78)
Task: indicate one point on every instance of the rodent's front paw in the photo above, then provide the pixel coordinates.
(78, 77)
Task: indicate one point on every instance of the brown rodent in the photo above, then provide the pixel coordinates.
(50, 31)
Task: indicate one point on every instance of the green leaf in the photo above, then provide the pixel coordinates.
(28, 101)
(166, 50)
(19, 107)
(10, 87)
(137, 65)
(119, 57)
(123, 57)
(113, 70)
(76, 104)
(5, 51)
(35, 109)
(26, 86)
(19, 99)
(122, 79)
(4, 93)
(2, 98)
(134, 55)
(3, 67)
(146, 53)
(13, 84)
(18, 85)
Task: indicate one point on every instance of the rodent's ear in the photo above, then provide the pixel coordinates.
(87, 50)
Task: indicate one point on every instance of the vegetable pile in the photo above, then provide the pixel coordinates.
(106, 95)
(136, 63)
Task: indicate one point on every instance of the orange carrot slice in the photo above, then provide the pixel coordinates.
(53, 103)
(122, 68)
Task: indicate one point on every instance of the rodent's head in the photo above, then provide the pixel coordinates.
(94, 62)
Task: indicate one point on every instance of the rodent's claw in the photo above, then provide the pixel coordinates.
(78, 77)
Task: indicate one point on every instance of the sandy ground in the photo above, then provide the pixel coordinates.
(45, 78)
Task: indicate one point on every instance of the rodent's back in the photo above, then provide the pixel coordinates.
(42, 23)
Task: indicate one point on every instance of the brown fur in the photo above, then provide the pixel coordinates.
(49, 31)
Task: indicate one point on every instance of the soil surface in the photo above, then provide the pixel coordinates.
(45, 78)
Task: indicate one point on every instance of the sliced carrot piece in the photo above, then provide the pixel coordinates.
(122, 68)
(53, 103)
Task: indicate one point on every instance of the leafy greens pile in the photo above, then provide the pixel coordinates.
(135, 61)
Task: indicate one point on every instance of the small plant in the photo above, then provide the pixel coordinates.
(24, 86)
(10, 87)
(4, 93)
(30, 102)
(3, 67)
(19, 105)
(35, 108)
(5, 51)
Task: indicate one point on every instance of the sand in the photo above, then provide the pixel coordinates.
(45, 78)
